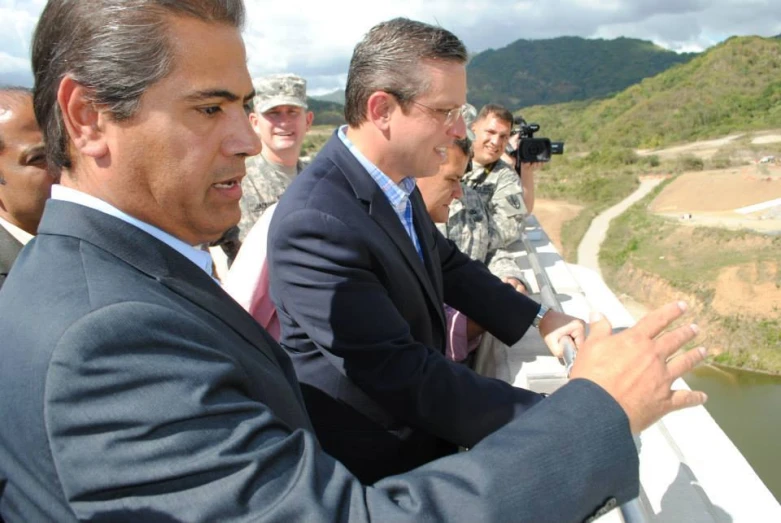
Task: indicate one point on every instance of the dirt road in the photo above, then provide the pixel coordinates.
(588, 250)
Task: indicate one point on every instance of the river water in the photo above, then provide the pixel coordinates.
(747, 407)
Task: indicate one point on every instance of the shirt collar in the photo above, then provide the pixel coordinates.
(397, 193)
(21, 235)
(195, 254)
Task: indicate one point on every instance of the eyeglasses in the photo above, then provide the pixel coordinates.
(451, 115)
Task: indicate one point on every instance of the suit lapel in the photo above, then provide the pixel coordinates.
(159, 261)
(196, 286)
(382, 213)
(424, 227)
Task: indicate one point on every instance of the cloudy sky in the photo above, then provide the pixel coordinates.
(314, 39)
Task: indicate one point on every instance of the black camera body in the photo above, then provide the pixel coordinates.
(531, 149)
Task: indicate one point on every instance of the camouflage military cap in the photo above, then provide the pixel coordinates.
(470, 113)
(279, 89)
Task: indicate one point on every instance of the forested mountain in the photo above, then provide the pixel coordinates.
(733, 86)
(336, 97)
(531, 72)
(326, 113)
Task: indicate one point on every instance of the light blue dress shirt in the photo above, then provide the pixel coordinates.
(397, 194)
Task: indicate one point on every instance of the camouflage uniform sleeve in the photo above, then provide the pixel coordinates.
(502, 264)
(507, 205)
(467, 225)
(499, 261)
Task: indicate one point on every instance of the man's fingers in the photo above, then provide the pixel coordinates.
(656, 321)
(680, 365)
(579, 334)
(682, 399)
(669, 342)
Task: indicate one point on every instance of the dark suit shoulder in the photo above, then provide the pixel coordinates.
(322, 185)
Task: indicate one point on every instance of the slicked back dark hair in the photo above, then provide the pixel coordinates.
(389, 59)
(12, 94)
(497, 110)
(116, 49)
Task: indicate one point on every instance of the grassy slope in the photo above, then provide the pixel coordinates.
(735, 86)
(690, 260)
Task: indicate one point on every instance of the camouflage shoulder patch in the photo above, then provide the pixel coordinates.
(513, 200)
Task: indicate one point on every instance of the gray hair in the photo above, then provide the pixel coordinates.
(388, 59)
(116, 49)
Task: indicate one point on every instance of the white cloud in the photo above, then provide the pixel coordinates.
(12, 64)
(315, 38)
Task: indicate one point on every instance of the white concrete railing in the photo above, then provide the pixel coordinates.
(690, 471)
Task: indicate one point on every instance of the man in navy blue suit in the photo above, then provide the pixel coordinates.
(359, 272)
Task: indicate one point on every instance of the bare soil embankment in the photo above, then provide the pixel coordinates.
(731, 280)
(552, 215)
(714, 198)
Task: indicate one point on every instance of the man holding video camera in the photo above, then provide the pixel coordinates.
(507, 197)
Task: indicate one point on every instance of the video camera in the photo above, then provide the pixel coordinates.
(531, 149)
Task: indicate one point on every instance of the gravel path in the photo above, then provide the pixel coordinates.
(588, 250)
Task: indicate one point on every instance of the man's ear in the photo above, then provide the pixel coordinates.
(254, 121)
(310, 117)
(379, 109)
(85, 124)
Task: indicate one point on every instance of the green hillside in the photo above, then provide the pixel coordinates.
(531, 72)
(733, 86)
(335, 96)
(326, 113)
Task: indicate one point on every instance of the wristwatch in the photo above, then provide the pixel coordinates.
(540, 313)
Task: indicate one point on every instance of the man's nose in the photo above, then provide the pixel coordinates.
(243, 140)
(458, 191)
(458, 129)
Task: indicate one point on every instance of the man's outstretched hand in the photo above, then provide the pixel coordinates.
(638, 366)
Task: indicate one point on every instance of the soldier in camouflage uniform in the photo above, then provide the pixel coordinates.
(475, 233)
(459, 214)
(281, 119)
(497, 183)
(466, 222)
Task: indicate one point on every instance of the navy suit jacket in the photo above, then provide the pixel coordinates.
(132, 388)
(362, 318)
(9, 250)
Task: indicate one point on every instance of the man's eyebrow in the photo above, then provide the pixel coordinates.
(217, 93)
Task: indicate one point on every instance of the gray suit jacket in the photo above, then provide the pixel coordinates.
(9, 250)
(132, 388)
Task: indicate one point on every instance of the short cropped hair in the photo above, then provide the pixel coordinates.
(388, 59)
(116, 49)
(497, 110)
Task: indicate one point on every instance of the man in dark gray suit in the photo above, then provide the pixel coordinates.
(133, 388)
(25, 185)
